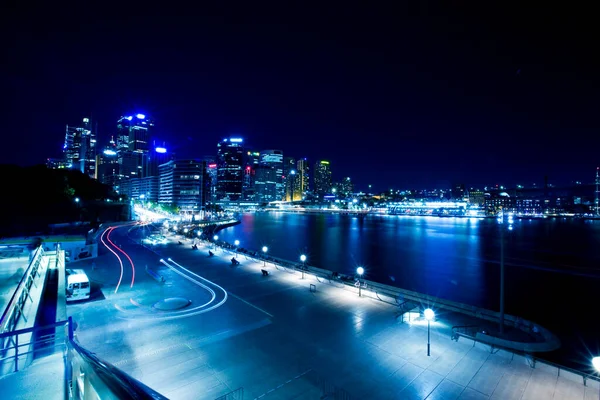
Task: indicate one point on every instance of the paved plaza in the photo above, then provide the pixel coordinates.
(277, 339)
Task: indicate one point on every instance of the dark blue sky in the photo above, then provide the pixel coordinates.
(396, 97)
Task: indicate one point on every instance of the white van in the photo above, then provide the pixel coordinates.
(78, 285)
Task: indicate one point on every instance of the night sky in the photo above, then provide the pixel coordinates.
(394, 97)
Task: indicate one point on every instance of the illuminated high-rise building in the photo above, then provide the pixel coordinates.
(107, 165)
(230, 168)
(184, 184)
(79, 148)
(274, 159)
(133, 144)
(322, 178)
(303, 180)
(252, 159)
(289, 176)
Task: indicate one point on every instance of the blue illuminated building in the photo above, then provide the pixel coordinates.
(230, 169)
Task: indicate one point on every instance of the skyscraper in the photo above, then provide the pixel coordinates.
(79, 148)
(303, 180)
(274, 159)
(133, 144)
(230, 164)
(322, 177)
(251, 162)
(184, 184)
(289, 176)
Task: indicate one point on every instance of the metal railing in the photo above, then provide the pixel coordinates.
(464, 330)
(22, 344)
(87, 375)
(237, 394)
(14, 309)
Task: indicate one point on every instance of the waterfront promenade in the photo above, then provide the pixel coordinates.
(276, 339)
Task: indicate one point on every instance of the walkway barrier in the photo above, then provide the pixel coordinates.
(14, 310)
(237, 394)
(87, 376)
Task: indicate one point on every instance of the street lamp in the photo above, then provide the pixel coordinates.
(76, 199)
(429, 315)
(215, 238)
(303, 259)
(237, 243)
(510, 228)
(360, 271)
(265, 249)
(596, 364)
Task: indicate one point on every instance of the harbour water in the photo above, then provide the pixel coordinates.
(552, 267)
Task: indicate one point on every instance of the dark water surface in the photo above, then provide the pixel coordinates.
(552, 267)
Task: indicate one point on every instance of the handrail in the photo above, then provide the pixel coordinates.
(12, 298)
(8, 315)
(463, 330)
(118, 382)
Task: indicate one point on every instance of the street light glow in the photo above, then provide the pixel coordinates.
(429, 314)
(237, 242)
(360, 270)
(216, 237)
(265, 249)
(303, 258)
(596, 363)
(76, 199)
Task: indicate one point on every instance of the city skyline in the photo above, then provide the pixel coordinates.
(358, 89)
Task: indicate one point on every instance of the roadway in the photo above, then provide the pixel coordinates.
(275, 338)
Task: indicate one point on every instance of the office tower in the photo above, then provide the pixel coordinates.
(302, 187)
(289, 177)
(133, 144)
(345, 188)
(184, 184)
(251, 162)
(274, 159)
(322, 179)
(79, 148)
(107, 165)
(211, 169)
(230, 165)
(157, 155)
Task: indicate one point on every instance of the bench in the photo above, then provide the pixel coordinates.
(264, 272)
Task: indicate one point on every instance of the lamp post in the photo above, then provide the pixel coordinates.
(265, 249)
(510, 227)
(303, 259)
(596, 364)
(429, 315)
(360, 271)
(215, 238)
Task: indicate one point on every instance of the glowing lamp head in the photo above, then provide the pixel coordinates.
(429, 314)
(216, 237)
(596, 363)
(303, 258)
(141, 116)
(360, 270)
(76, 199)
(265, 249)
(237, 242)
(160, 150)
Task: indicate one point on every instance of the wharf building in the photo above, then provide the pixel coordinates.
(79, 148)
(230, 169)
